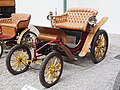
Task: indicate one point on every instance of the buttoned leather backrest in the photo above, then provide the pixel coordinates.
(17, 20)
(80, 15)
(23, 19)
(19, 16)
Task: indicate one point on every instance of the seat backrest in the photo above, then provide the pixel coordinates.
(80, 15)
(23, 19)
(21, 16)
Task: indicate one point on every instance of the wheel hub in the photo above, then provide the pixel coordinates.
(19, 58)
(52, 69)
(100, 42)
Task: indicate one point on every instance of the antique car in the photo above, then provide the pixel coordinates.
(73, 34)
(13, 26)
(14, 30)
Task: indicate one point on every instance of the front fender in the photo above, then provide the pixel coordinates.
(90, 36)
(22, 33)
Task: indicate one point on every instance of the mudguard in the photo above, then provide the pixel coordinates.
(90, 37)
(22, 33)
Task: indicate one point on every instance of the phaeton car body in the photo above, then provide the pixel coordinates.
(72, 34)
(14, 30)
(13, 26)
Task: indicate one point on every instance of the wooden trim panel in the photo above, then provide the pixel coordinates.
(8, 31)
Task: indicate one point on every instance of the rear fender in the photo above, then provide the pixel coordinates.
(22, 33)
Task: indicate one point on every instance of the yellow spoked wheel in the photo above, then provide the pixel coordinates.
(51, 69)
(99, 46)
(17, 60)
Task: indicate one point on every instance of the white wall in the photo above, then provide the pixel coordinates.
(39, 9)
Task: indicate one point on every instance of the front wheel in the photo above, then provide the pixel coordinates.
(99, 46)
(51, 69)
(16, 60)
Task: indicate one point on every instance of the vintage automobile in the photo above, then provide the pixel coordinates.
(13, 26)
(73, 34)
(14, 30)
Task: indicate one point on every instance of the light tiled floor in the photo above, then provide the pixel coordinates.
(79, 75)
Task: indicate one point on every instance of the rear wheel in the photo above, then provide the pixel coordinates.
(99, 46)
(28, 38)
(16, 60)
(51, 69)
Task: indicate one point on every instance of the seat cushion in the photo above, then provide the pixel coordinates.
(75, 18)
(70, 25)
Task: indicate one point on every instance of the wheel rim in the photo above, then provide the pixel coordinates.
(0, 49)
(18, 58)
(28, 40)
(52, 70)
(100, 46)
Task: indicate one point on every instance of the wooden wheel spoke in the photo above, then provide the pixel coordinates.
(101, 43)
(55, 62)
(49, 76)
(99, 55)
(14, 55)
(19, 52)
(102, 49)
(58, 71)
(24, 62)
(52, 62)
(97, 50)
(47, 68)
(55, 75)
(48, 65)
(102, 36)
(14, 64)
(17, 65)
(25, 55)
(20, 66)
(47, 73)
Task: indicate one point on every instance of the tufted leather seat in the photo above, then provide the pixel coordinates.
(75, 18)
(16, 21)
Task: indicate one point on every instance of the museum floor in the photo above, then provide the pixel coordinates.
(79, 75)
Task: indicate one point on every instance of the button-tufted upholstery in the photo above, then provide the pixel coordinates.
(75, 18)
(16, 20)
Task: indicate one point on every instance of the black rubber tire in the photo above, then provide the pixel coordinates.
(1, 51)
(95, 59)
(10, 69)
(25, 36)
(42, 68)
